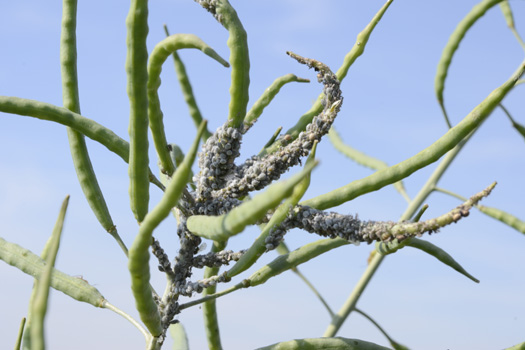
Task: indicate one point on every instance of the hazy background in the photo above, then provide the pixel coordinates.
(390, 112)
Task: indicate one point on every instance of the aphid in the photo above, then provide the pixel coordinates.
(202, 247)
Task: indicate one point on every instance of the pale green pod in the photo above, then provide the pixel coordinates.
(509, 18)
(363, 159)
(220, 228)
(441, 255)
(180, 339)
(507, 13)
(39, 304)
(137, 74)
(187, 91)
(33, 265)
(138, 264)
(237, 42)
(425, 157)
(267, 97)
(452, 45)
(87, 127)
(77, 144)
(157, 58)
(293, 259)
(504, 217)
(324, 344)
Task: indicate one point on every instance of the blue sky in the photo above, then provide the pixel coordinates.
(389, 112)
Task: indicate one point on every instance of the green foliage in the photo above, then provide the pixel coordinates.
(220, 200)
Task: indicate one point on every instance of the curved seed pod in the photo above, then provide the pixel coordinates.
(239, 58)
(439, 254)
(88, 127)
(157, 58)
(427, 156)
(138, 264)
(356, 51)
(137, 73)
(363, 159)
(180, 339)
(504, 217)
(324, 344)
(187, 91)
(293, 259)
(507, 13)
(267, 97)
(33, 265)
(77, 144)
(220, 228)
(259, 246)
(39, 305)
(452, 45)
(509, 18)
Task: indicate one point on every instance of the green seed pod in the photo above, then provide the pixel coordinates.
(504, 217)
(324, 344)
(441, 255)
(288, 261)
(157, 58)
(452, 45)
(33, 265)
(138, 264)
(39, 305)
(267, 97)
(187, 91)
(137, 73)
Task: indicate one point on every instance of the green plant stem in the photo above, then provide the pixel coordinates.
(350, 303)
(314, 290)
(214, 296)
(109, 306)
(209, 309)
(390, 340)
